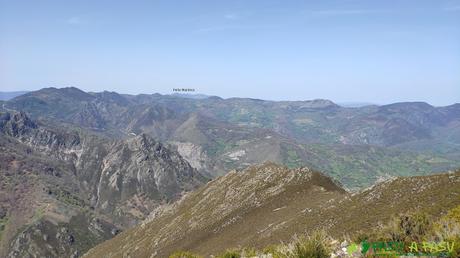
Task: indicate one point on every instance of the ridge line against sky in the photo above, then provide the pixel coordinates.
(344, 50)
(200, 95)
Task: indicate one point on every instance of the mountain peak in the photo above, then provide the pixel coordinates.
(297, 175)
(111, 97)
(320, 103)
(408, 105)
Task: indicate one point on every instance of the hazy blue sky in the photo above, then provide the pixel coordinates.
(374, 51)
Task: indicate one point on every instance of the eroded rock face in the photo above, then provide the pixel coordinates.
(144, 168)
(194, 154)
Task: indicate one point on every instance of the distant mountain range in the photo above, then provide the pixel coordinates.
(77, 167)
(356, 146)
(356, 104)
(191, 96)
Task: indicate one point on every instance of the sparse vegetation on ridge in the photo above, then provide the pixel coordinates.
(317, 245)
(405, 228)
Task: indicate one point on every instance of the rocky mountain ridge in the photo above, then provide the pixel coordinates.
(266, 204)
(116, 182)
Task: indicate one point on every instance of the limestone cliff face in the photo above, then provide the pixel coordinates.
(141, 168)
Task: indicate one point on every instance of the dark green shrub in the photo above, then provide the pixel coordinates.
(407, 228)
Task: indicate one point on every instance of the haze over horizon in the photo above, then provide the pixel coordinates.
(344, 51)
